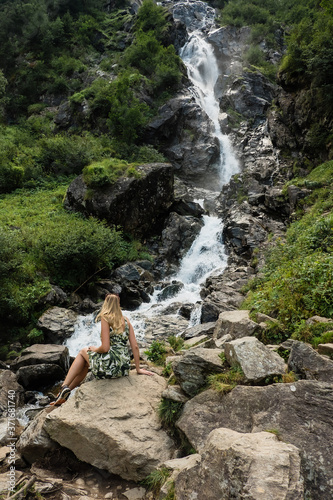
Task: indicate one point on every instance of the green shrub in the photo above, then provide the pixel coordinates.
(157, 352)
(107, 171)
(176, 342)
(169, 411)
(226, 381)
(156, 479)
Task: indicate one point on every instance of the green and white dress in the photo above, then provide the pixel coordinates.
(114, 363)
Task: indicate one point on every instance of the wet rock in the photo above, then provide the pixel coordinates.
(308, 364)
(57, 323)
(39, 376)
(257, 466)
(138, 205)
(255, 359)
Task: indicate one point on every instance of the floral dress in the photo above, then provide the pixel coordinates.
(114, 363)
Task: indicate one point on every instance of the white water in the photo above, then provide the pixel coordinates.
(199, 58)
(206, 255)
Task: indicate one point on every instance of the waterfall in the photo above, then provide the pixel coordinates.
(206, 255)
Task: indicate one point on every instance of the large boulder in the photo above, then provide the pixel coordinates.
(255, 359)
(234, 465)
(113, 425)
(57, 323)
(308, 364)
(39, 376)
(138, 205)
(43, 353)
(300, 413)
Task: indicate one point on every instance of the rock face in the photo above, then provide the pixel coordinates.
(138, 205)
(43, 353)
(57, 323)
(113, 425)
(234, 465)
(300, 413)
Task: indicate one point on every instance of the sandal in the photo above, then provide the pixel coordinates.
(62, 396)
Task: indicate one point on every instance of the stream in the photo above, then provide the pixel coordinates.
(207, 254)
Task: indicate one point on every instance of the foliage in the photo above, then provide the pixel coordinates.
(157, 352)
(226, 381)
(169, 411)
(176, 342)
(155, 480)
(297, 278)
(107, 171)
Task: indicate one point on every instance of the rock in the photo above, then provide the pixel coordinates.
(326, 349)
(9, 382)
(39, 376)
(196, 340)
(57, 323)
(192, 368)
(170, 291)
(113, 425)
(176, 466)
(174, 393)
(165, 326)
(34, 442)
(237, 465)
(206, 329)
(318, 319)
(135, 494)
(220, 299)
(255, 359)
(8, 481)
(308, 364)
(237, 324)
(300, 413)
(128, 272)
(138, 205)
(178, 235)
(43, 353)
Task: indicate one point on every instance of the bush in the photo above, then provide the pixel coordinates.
(157, 352)
(107, 172)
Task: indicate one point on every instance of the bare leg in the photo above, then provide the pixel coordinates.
(78, 370)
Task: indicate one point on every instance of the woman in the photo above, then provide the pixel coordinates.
(111, 359)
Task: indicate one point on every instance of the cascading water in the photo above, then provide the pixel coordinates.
(206, 255)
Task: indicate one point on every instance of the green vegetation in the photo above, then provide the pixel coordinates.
(155, 480)
(169, 411)
(157, 352)
(226, 381)
(176, 342)
(298, 276)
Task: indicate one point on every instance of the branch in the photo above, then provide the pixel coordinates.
(24, 490)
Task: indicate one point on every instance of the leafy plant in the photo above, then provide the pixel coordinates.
(169, 412)
(157, 352)
(176, 342)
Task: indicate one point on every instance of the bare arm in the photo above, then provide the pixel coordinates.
(105, 338)
(136, 354)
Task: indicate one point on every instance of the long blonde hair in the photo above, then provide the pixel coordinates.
(112, 313)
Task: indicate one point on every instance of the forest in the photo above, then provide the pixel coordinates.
(121, 67)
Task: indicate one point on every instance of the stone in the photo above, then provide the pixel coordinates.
(175, 393)
(237, 324)
(39, 376)
(300, 413)
(308, 364)
(176, 466)
(192, 368)
(34, 442)
(178, 235)
(204, 329)
(113, 425)
(139, 205)
(43, 353)
(135, 494)
(326, 349)
(9, 382)
(238, 465)
(57, 323)
(255, 359)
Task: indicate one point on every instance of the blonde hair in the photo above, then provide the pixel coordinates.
(112, 313)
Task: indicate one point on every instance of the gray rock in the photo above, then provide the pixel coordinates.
(34, 442)
(8, 382)
(199, 330)
(255, 359)
(308, 364)
(237, 324)
(39, 376)
(113, 425)
(57, 323)
(326, 349)
(300, 413)
(192, 368)
(138, 205)
(43, 353)
(174, 393)
(238, 465)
